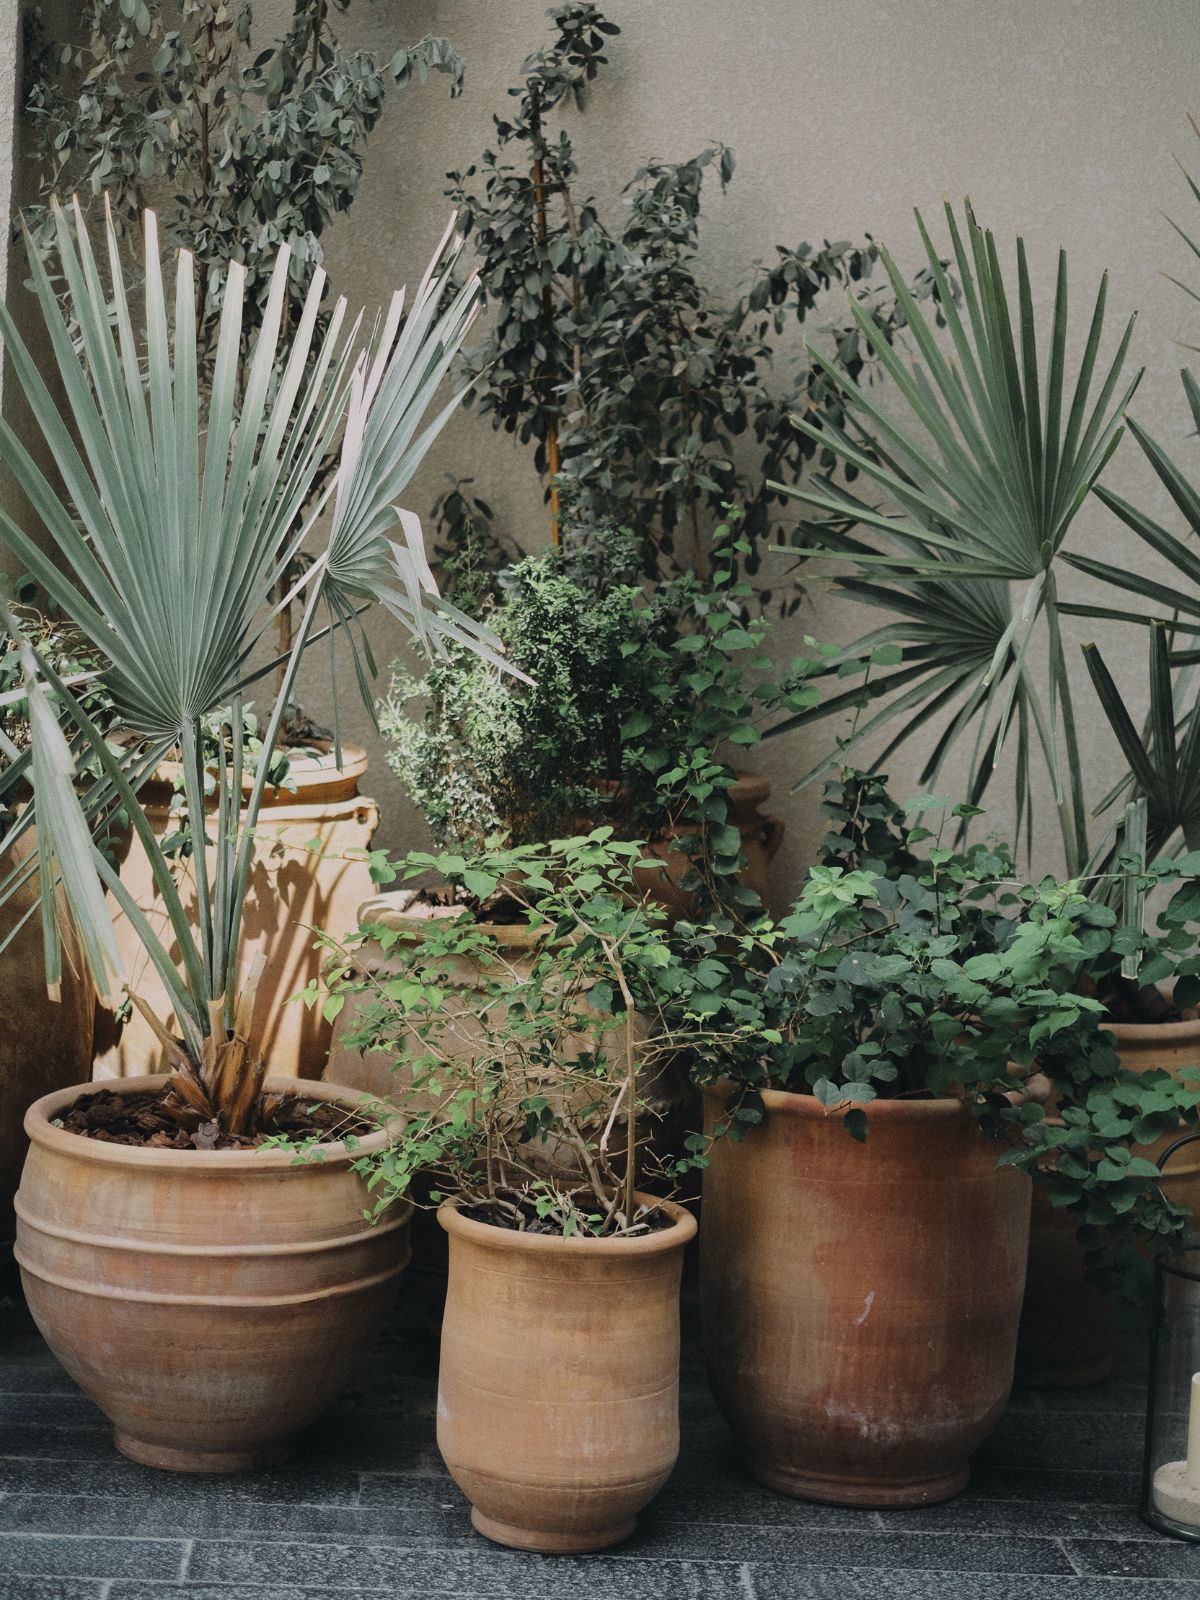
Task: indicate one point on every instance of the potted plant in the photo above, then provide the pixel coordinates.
(903, 1016)
(638, 707)
(1148, 984)
(209, 1317)
(558, 1385)
(261, 145)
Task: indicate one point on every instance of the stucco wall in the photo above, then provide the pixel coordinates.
(1057, 117)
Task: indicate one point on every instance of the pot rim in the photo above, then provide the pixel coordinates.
(794, 1104)
(385, 910)
(1153, 1032)
(311, 757)
(682, 1229)
(40, 1131)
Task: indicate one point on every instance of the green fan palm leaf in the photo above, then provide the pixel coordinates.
(1164, 757)
(980, 474)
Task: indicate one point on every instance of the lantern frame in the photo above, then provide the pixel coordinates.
(1165, 1268)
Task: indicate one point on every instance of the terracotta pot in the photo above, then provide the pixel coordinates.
(558, 1394)
(211, 1302)
(861, 1300)
(666, 1092)
(1065, 1340)
(309, 872)
(762, 835)
(44, 1044)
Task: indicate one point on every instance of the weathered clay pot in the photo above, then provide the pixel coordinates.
(761, 833)
(211, 1302)
(861, 1300)
(558, 1393)
(44, 1044)
(1065, 1340)
(666, 1094)
(309, 872)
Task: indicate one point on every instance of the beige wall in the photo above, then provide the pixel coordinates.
(1057, 117)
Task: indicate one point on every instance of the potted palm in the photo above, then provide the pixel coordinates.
(558, 1385)
(895, 1019)
(209, 1293)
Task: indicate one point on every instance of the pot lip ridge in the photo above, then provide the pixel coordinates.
(793, 1104)
(1153, 1032)
(40, 1131)
(682, 1229)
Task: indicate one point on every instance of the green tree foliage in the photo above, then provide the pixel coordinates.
(649, 400)
(240, 148)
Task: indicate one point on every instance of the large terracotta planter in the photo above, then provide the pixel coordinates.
(309, 872)
(44, 1044)
(1065, 1340)
(861, 1300)
(211, 1302)
(558, 1393)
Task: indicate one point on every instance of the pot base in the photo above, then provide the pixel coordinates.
(551, 1544)
(213, 1461)
(857, 1492)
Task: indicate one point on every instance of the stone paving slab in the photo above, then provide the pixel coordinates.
(366, 1511)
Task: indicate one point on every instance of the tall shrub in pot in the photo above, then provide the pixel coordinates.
(904, 1018)
(526, 1100)
(167, 560)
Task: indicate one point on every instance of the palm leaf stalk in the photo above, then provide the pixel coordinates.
(166, 551)
(981, 476)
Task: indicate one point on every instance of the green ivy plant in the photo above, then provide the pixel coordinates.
(523, 1089)
(609, 352)
(935, 972)
(639, 707)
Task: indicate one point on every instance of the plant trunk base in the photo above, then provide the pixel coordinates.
(551, 1544)
(168, 1460)
(858, 1491)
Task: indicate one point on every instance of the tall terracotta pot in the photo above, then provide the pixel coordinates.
(558, 1392)
(211, 1302)
(1065, 1340)
(44, 1044)
(861, 1300)
(309, 872)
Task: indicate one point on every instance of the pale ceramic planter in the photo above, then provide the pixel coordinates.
(309, 872)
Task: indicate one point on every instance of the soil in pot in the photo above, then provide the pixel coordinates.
(211, 1302)
(558, 1392)
(860, 1300)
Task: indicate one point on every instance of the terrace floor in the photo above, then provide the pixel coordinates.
(366, 1509)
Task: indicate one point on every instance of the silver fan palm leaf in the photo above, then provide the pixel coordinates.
(165, 546)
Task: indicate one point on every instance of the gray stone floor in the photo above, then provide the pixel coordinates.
(366, 1509)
